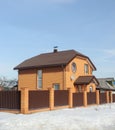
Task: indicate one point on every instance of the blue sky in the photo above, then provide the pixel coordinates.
(31, 27)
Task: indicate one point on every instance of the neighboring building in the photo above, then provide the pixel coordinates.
(1, 88)
(61, 70)
(106, 84)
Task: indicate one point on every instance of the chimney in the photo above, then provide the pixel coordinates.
(55, 49)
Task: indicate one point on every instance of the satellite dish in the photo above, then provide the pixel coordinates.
(72, 77)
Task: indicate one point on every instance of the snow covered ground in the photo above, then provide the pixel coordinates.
(91, 118)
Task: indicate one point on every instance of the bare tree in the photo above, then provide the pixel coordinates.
(7, 83)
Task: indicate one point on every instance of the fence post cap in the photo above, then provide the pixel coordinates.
(69, 88)
(24, 88)
(49, 88)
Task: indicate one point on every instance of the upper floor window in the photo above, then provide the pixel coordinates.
(39, 78)
(74, 67)
(86, 69)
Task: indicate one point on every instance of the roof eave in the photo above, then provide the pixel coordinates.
(42, 66)
(106, 89)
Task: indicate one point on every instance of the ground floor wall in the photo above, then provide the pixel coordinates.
(50, 77)
(81, 88)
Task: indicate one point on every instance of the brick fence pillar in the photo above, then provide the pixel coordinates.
(111, 96)
(51, 98)
(107, 96)
(70, 98)
(24, 100)
(85, 98)
(97, 97)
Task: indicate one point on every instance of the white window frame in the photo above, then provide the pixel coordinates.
(90, 89)
(40, 79)
(73, 67)
(79, 88)
(86, 69)
(55, 85)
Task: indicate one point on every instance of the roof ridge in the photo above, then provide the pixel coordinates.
(58, 52)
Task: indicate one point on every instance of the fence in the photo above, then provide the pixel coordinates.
(10, 100)
(103, 99)
(91, 98)
(61, 97)
(31, 101)
(77, 99)
(38, 99)
(113, 97)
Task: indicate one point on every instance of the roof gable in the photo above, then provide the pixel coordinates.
(51, 59)
(85, 80)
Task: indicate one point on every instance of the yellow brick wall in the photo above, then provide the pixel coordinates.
(51, 76)
(27, 78)
(80, 71)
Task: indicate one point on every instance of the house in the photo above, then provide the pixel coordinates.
(106, 84)
(58, 69)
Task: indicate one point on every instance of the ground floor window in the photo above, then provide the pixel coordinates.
(56, 86)
(79, 88)
(90, 89)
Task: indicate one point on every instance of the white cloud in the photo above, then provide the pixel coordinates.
(110, 52)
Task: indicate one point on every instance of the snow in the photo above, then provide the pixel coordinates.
(100, 117)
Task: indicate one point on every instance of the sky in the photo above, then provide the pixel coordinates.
(31, 27)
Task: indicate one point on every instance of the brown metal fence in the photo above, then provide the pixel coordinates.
(10, 99)
(61, 97)
(38, 99)
(113, 97)
(77, 99)
(91, 98)
(103, 99)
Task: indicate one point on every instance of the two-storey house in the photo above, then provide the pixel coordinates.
(58, 69)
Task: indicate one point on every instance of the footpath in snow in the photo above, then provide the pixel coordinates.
(91, 118)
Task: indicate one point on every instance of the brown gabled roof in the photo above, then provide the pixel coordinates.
(85, 80)
(51, 59)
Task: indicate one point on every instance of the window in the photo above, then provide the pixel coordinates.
(56, 86)
(90, 89)
(39, 78)
(86, 69)
(73, 67)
